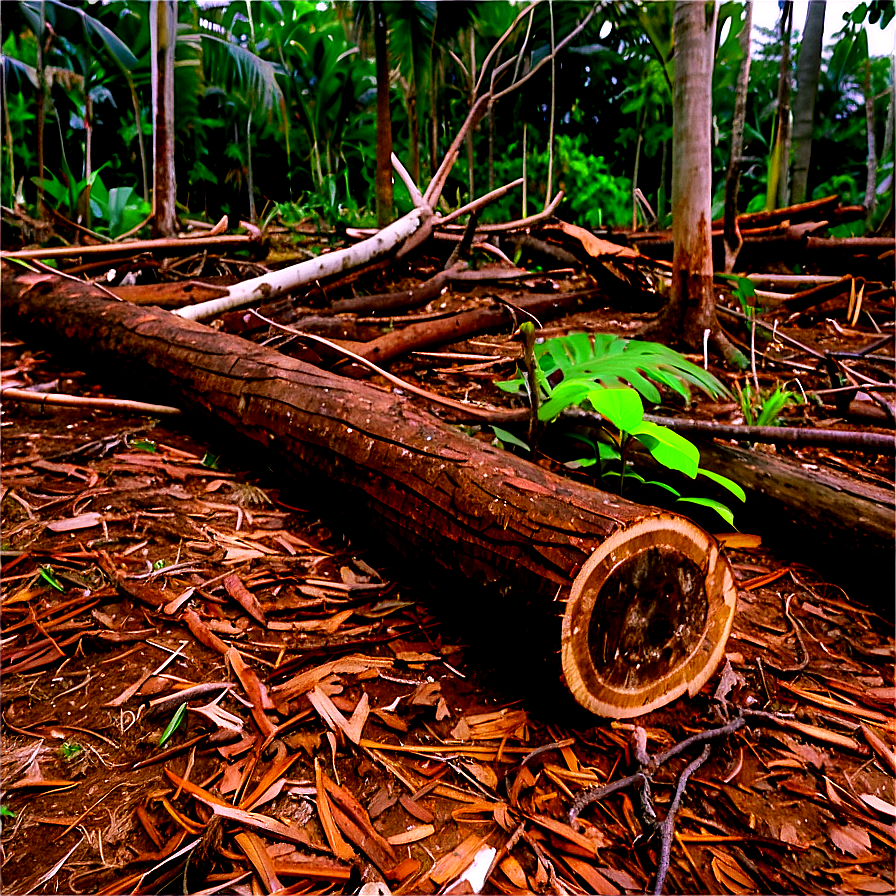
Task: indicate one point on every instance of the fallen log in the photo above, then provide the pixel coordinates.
(647, 599)
(833, 522)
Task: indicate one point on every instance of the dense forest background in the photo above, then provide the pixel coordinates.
(275, 106)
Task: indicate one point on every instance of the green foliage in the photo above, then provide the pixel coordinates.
(210, 460)
(743, 290)
(612, 374)
(47, 574)
(118, 210)
(173, 725)
(581, 361)
(763, 408)
(70, 750)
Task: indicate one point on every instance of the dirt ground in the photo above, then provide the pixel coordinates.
(350, 722)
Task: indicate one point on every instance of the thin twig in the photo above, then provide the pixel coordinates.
(469, 410)
(668, 825)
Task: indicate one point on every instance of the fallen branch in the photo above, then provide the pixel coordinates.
(56, 399)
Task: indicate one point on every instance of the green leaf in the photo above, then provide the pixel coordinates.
(725, 482)
(47, 574)
(173, 725)
(509, 438)
(210, 460)
(668, 448)
(145, 445)
(6, 812)
(581, 463)
(664, 485)
(622, 407)
(721, 509)
(70, 750)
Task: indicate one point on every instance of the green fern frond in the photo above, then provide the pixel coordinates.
(612, 362)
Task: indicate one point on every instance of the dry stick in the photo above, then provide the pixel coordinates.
(477, 204)
(871, 442)
(668, 826)
(519, 223)
(475, 413)
(774, 330)
(78, 401)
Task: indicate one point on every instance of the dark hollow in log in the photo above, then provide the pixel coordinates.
(656, 578)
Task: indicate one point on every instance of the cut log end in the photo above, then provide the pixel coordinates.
(647, 618)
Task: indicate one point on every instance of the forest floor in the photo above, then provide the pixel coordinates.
(353, 723)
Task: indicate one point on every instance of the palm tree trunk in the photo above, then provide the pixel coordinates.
(871, 183)
(732, 238)
(690, 312)
(41, 109)
(163, 28)
(807, 75)
(776, 189)
(383, 117)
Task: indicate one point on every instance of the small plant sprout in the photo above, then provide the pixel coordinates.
(47, 574)
(612, 374)
(763, 408)
(174, 724)
(70, 750)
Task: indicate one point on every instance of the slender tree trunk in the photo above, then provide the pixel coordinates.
(871, 183)
(491, 146)
(433, 107)
(41, 109)
(163, 30)
(88, 157)
(383, 117)
(776, 189)
(138, 119)
(732, 238)
(690, 312)
(549, 192)
(250, 178)
(807, 75)
(414, 129)
(637, 166)
(472, 100)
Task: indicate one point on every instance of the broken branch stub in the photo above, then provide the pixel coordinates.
(650, 600)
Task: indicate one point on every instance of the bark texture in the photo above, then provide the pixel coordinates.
(690, 311)
(163, 15)
(433, 492)
(383, 117)
(807, 75)
(733, 240)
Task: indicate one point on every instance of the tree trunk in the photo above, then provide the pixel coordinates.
(647, 600)
(690, 311)
(163, 31)
(871, 164)
(807, 75)
(733, 240)
(383, 117)
(776, 188)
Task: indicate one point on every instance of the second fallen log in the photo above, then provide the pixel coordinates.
(649, 600)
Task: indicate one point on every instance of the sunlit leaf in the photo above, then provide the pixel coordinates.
(174, 724)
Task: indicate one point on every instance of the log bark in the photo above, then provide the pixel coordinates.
(649, 600)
